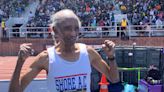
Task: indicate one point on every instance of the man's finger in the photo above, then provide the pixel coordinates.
(25, 48)
(105, 48)
(106, 41)
(111, 44)
(108, 44)
(28, 44)
(25, 51)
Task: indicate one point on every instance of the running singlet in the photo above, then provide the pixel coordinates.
(65, 76)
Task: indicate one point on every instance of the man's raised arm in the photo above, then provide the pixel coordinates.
(17, 83)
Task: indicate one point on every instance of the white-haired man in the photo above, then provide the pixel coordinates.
(68, 63)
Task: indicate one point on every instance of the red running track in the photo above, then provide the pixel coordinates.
(7, 65)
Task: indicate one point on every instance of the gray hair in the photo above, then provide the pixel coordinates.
(55, 18)
(63, 13)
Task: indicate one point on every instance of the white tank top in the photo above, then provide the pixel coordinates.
(65, 76)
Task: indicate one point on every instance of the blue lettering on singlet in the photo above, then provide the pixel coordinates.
(84, 82)
(65, 84)
(80, 84)
(71, 84)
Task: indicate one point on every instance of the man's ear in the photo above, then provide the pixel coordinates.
(55, 30)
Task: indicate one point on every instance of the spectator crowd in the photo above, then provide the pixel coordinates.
(98, 12)
(91, 12)
(10, 8)
(142, 12)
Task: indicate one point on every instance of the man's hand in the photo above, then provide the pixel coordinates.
(25, 51)
(16, 84)
(108, 48)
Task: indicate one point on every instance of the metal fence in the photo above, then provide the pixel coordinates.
(133, 61)
(98, 31)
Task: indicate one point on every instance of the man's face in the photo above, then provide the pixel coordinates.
(68, 30)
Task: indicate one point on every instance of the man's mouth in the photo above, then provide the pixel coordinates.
(71, 39)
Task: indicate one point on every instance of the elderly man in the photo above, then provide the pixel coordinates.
(68, 64)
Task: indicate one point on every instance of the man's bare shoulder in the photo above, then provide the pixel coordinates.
(43, 54)
(91, 50)
(93, 54)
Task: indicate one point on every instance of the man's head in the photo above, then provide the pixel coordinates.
(66, 26)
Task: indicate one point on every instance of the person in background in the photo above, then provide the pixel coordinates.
(124, 32)
(3, 25)
(159, 24)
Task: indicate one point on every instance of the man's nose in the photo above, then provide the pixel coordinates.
(73, 32)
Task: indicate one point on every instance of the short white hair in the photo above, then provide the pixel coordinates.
(61, 14)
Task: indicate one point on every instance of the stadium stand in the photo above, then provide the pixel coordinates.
(99, 12)
(96, 15)
(12, 8)
(145, 11)
(91, 13)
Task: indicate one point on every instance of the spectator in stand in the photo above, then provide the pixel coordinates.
(3, 25)
(159, 24)
(123, 8)
(124, 32)
(30, 15)
(141, 28)
(148, 29)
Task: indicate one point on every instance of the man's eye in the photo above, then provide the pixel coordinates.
(69, 29)
(77, 29)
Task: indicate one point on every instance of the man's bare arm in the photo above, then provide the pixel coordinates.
(41, 63)
(15, 83)
(98, 63)
(18, 84)
(23, 54)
